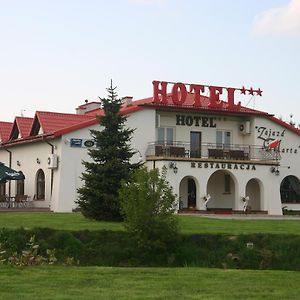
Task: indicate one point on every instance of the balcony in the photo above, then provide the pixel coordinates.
(209, 151)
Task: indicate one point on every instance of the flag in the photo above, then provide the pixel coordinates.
(274, 144)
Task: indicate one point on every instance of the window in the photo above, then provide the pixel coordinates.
(290, 190)
(165, 135)
(227, 184)
(195, 141)
(20, 187)
(40, 185)
(223, 138)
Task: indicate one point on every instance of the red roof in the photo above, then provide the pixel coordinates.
(204, 107)
(52, 121)
(56, 124)
(284, 124)
(5, 130)
(21, 128)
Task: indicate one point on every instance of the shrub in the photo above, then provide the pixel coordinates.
(148, 206)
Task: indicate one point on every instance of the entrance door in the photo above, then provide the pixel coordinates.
(191, 193)
(195, 141)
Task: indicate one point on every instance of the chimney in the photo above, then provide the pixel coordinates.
(87, 106)
(127, 100)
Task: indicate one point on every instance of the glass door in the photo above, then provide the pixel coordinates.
(195, 144)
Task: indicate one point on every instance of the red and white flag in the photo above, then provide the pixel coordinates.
(274, 145)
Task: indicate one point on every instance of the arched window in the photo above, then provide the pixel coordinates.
(290, 190)
(40, 185)
(20, 187)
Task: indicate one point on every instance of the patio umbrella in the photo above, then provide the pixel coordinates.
(7, 173)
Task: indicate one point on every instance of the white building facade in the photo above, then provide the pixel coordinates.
(220, 156)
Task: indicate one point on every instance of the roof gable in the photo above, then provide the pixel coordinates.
(5, 130)
(21, 128)
(49, 122)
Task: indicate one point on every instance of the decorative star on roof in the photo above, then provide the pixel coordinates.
(251, 91)
(243, 90)
(259, 92)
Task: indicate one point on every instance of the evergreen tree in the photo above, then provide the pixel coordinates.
(98, 197)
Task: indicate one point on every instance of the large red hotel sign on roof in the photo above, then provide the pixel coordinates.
(179, 94)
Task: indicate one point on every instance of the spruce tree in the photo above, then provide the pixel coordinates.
(98, 197)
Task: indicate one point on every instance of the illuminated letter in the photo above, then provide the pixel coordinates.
(214, 96)
(197, 95)
(179, 93)
(230, 99)
(160, 95)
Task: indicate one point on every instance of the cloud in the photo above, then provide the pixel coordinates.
(284, 20)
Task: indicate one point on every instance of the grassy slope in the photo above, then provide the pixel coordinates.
(145, 283)
(189, 224)
(194, 224)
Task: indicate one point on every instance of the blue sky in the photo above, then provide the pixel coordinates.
(54, 54)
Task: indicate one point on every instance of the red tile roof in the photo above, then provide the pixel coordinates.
(21, 128)
(147, 103)
(204, 107)
(24, 125)
(56, 124)
(5, 130)
(52, 121)
(284, 124)
(188, 105)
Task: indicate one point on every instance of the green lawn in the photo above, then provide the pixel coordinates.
(194, 224)
(145, 283)
(189, 224)
(63, 221)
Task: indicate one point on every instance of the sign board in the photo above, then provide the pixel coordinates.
(180, 91)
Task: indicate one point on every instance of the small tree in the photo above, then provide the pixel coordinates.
(98, 197)
(148, 206)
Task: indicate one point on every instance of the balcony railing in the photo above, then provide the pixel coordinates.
(211, 151)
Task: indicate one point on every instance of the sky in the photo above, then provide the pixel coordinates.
(54, 54)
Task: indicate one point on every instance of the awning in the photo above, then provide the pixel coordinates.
(7, 173)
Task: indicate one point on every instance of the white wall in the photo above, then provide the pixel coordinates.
(27, 155)
(67, 179)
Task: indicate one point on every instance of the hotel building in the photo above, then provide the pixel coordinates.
(219, 155)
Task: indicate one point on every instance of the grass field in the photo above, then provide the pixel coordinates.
(189, 224)
(145, 283)
(60, 282)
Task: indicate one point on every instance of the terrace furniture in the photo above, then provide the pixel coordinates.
(237, 154)
(21, 201)
(177, 151)
(159, 150)
(246, 156)
(216, 153)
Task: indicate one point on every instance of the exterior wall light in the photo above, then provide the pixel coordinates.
(275, 170)
(172, 165)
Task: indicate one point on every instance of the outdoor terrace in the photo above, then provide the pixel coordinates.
(208, 151)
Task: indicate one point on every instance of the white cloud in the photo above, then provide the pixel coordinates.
(283, 20)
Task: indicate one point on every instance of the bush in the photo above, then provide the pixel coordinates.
(110, 248)
(148, 206)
